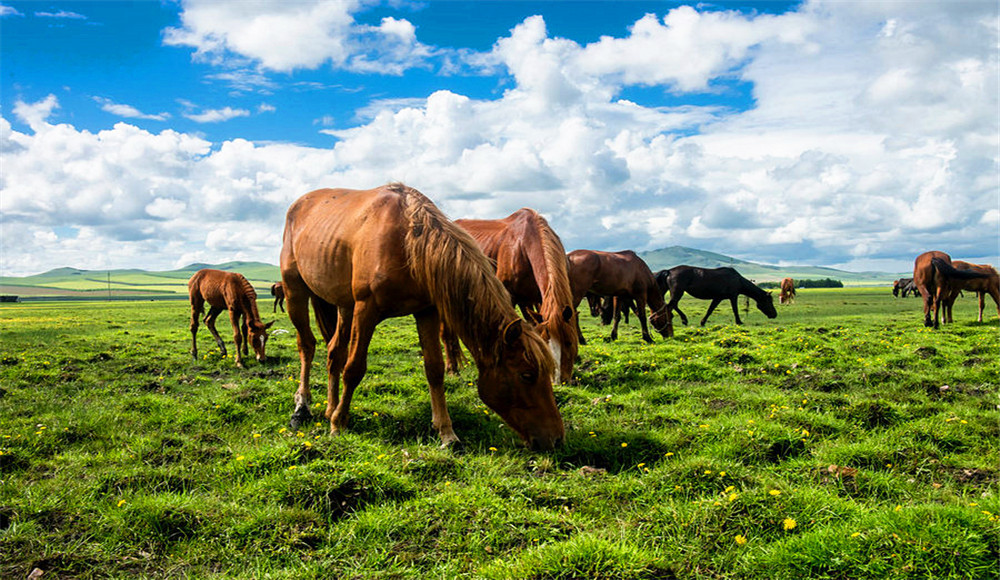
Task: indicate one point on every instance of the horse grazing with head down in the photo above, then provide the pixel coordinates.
(938, 280)
(278, 291)
(227, 291)
(361, 257)
(981, 286)
(715, 284)
(623, 275)
(787, 291)
(531, 264)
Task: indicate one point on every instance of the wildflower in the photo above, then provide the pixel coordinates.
(668, 453)
(381, 456)
(624, 444)
(788, 524)
(708, 472)
(729, 489)
(256, 435)
(493, 448)
(774, 492)
(898, 507)
(640, 465)
(291, 467)
(239, 458)
(722, 474)
(740, 540)
(733, 496)
(121, 503)
(855, 534)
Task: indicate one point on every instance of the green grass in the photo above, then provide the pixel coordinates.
(840, 440)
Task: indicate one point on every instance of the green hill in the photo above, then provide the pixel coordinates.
(128, 283)
(678, 255)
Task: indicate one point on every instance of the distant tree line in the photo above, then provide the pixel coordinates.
(806, 283)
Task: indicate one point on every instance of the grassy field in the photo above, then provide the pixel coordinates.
(840, 440)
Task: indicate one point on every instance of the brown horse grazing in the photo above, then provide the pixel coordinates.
(361, 257)
(623, 275)
(981, 286)
(715, 284)
(227, 291)
(937, 280)
(531, 263)
(278, 291)
(787, 291)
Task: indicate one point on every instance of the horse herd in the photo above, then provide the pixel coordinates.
(358, 257)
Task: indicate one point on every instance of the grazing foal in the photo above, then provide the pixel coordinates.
(227, 291)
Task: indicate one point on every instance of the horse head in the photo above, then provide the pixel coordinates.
(766, 305)
(258, 338)
(662, 321)
(519, 388)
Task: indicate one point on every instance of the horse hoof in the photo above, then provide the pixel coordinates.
(456, 446)
(299, 418)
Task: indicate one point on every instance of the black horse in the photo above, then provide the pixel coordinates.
(715, 284)
(904, 285)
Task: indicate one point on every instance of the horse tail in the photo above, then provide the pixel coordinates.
(949, 271)
(663, 281)
(326, 317)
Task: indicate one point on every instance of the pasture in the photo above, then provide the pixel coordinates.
(840, 440)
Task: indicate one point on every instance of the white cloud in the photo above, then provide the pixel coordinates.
(6, 11)
(61, 14)
(128, 111)
(286, 36)
(867, 143)
(217, 115)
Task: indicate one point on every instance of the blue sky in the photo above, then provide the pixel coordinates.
(854, 135)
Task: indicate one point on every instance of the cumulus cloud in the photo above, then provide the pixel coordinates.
(217, 115)
(286, 36)
(65, 14)
(872, 137)
(6, 11)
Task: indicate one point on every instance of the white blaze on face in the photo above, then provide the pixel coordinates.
(557, 355)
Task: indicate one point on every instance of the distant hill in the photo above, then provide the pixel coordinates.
(677, 255)
(128, 283)
(71, 283)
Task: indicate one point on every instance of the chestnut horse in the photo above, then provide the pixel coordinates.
(787, 291)
(623, 275)
(981, 286)
(715, 284)
(227, 291)
(937, 280)
(531, 263)
(361, 257)
(278, 291)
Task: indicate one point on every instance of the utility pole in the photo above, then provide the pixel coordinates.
(109, 285)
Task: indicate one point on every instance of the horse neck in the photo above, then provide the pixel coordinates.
(750, 289)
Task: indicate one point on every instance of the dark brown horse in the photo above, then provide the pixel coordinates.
(981, 286)
(937, 280)
(623, 275)
(361, 257)
(531, 263)
(715, 284)
(227, 291)
(787, 291)
(278, 291)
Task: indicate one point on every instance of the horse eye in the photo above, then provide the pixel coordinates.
(528, 377)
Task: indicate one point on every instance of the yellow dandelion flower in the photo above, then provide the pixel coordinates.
(493, 448)
(624, 444)
(640, 465)
(291, 467)
(774, 492)
(740, 540)
(855, 534)
(668, 453)
(729, 489)
(722, 474)
(121, 503)
(788, 524)
(898, 507)
(733, 496)
(708, 472)
(256, 435)
(239, 458)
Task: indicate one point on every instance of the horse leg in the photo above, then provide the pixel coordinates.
(928, 299)
(428, 326)
(736, 310)
(641, 308)
(675, 298)
(213, 313)
(711, 307)
(336, 356)
(298, 313)
(234, 319)
(614, 328)
(452, 348)
(362, 329)
(245, 330)
(579, 331)
(197, 307)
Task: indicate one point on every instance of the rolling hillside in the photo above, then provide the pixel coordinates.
(71, 283)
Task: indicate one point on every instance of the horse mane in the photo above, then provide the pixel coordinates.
(559, 294)
(248, 298)
(750, 289)
(461, 282)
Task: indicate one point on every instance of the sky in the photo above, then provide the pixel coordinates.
(153, 135)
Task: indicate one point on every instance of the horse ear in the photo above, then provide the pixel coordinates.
(268, 325)
(567, 313)
(535, 317)
(512, 332)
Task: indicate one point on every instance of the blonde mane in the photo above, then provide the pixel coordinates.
(461, 282)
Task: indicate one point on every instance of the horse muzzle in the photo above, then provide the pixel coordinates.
(544, 443)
